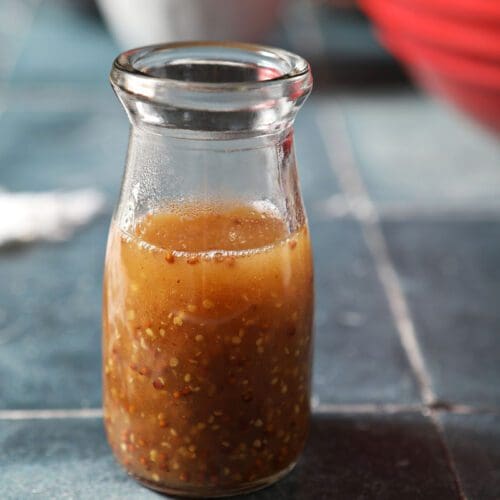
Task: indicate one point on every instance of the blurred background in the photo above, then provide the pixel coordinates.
(399, 162)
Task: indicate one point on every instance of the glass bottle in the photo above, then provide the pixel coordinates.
(208, 286)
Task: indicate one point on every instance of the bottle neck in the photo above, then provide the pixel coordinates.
(214, 121)
(165, 169)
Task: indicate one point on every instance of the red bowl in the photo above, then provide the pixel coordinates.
(482, 11)
(459, 36)
(471, 85)
(451, 55)
(482, 104)
(468, 69)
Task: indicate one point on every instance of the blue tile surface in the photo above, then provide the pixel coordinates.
(413, 150)
(450, 272)
(317, 180)
(63, 46)
(62, 150)
(50, 335)
(61, 459)
(475, 443)
(358, 355)
(391, 457)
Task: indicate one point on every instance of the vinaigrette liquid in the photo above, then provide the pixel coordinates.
(207, 348)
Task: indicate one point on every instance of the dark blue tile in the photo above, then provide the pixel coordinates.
(450, 272)
(62, 150)
(64, 45)
(50, 310)
(411, 149)
(61, 459)
(474, 441)
(390, 457)
(358, 355)
(368, 457)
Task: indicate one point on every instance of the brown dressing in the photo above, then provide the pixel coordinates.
(207, 346)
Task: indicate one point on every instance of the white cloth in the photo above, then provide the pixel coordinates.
(50, 215)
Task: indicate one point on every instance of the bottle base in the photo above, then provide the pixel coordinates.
(215, 492)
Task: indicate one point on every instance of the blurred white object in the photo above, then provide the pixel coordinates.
(48, 215)
(142, 22)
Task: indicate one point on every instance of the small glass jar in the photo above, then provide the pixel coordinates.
(208, 287)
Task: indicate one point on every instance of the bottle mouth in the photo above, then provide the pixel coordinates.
(207, 66)
(216, 77)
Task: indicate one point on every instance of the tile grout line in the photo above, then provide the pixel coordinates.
(318, 409)
(338, 207)
(367, 408)
(91, 413)
(365, 212)
(448, 454)
(347, 171)
(451, 212)
(374, 408)
(51, 414)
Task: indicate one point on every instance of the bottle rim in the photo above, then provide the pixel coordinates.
(146, 72)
